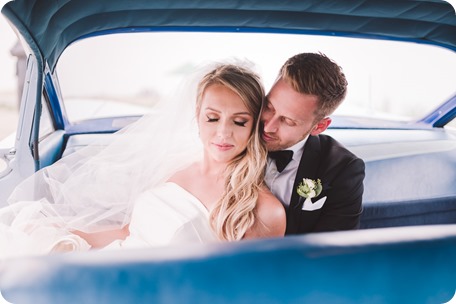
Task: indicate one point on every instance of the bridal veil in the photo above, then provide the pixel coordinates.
(94, 188)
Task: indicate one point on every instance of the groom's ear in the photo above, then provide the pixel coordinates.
(321, 126)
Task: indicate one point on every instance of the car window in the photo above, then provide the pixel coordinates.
(12, 63)
(127, 74)
(46, 124)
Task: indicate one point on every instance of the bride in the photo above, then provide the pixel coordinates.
(151, 186)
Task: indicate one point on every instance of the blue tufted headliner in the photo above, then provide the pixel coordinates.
(41, 22)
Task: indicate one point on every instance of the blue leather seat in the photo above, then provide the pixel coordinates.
(389, 265)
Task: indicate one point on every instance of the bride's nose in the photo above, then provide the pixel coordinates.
(225, 130)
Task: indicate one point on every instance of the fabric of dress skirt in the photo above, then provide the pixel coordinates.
(26, 229)
(162, 216)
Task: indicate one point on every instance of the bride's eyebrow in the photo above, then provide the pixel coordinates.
(242, 113)
(234, 114)
(211, 109)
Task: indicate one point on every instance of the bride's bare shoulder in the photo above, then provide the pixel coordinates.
(271, 213)
(183, 176)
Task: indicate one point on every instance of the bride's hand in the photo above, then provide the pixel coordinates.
(71, 243)
(103, 238)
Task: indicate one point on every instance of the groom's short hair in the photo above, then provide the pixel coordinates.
(316, 74)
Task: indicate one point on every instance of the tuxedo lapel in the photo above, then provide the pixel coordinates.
(308, 166)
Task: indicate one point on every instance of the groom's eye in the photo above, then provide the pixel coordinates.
(287, 121)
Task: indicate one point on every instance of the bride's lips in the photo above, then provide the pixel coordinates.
(224, 147)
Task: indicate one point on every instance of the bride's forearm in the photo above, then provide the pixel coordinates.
(103, 238)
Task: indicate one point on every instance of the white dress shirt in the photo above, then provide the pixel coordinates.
(281, 183)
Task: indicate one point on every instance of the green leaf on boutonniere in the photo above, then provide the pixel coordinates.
(309, 188)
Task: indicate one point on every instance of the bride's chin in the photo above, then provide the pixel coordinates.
(220, 158)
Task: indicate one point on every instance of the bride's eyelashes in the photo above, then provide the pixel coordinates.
(240, 123)
(210, 119)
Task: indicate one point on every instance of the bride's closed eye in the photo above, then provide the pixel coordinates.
(212, 119)
(240, 123)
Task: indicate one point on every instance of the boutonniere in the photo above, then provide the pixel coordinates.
(309, 188)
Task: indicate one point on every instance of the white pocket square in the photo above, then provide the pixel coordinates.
(309, 206)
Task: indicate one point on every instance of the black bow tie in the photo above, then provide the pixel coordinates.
(281, 158)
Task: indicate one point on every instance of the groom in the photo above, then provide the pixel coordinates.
(318, 180)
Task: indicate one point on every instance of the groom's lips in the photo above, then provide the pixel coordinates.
(268, 138)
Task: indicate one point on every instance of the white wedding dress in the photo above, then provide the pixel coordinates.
(164, 215)
(167, 215)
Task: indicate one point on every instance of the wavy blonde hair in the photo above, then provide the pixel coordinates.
(234, 214)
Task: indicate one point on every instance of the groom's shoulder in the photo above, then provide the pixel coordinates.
(333, 147)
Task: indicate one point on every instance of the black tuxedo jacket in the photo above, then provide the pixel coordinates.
(341, 174)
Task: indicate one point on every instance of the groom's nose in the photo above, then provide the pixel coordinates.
(270, 124)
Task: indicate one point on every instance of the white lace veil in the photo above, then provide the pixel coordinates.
(94, 188)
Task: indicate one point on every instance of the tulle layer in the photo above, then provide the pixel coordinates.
(94, 188)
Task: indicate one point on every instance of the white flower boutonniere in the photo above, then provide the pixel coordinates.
(309, 188)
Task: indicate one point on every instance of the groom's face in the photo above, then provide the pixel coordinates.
(288, 116)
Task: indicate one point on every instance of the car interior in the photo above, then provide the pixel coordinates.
(405, 251)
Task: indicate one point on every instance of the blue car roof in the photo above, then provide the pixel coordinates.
(50, 26)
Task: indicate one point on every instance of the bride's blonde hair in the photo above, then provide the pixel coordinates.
(234, 214)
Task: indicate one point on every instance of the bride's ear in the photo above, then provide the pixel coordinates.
(321, 126)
